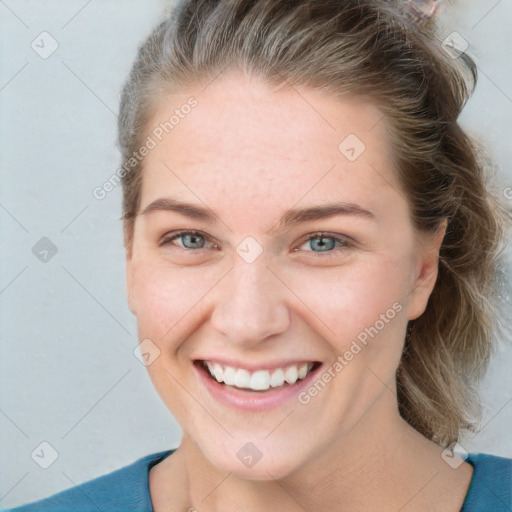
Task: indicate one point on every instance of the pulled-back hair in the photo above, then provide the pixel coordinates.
(379, 50)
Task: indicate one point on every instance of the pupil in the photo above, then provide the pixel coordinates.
(322, 245)
(193, 239)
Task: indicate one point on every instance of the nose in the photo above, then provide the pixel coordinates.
(251, 306)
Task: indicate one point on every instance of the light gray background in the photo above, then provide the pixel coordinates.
(68, 373)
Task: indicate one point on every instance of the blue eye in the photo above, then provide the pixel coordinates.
(325, 243)
(320, 243)
(189, 240)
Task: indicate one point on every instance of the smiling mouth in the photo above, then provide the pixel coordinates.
(259, 380)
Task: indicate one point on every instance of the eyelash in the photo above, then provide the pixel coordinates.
(344, 243)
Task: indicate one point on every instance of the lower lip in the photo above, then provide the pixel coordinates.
(253, 400)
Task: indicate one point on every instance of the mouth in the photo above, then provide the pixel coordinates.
(258, 381)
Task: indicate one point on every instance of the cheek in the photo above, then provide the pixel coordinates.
(164, 296)
(362, 305)
(344, 301)
(339, 301)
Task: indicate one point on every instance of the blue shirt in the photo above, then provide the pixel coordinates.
(127, 489)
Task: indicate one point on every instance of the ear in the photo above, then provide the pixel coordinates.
(426, 271)
(129, 285)
(129, 270)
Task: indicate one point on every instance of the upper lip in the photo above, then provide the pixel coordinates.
(252, 366)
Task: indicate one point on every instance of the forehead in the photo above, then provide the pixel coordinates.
(248, 141)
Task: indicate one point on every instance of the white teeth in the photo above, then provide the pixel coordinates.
(277, 378)
(260, 380)
(303, 371)
(291, 375)
(242, 379)
(218, 372)
(229, 375)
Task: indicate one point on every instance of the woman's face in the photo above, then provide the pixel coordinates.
(271, 278)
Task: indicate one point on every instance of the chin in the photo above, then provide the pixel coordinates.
(246, 461)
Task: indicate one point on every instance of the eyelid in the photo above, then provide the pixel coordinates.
(172, 235)
(345, 242)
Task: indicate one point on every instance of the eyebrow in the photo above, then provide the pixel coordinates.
(290, 218)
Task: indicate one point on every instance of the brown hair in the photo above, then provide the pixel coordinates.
(379, 50)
